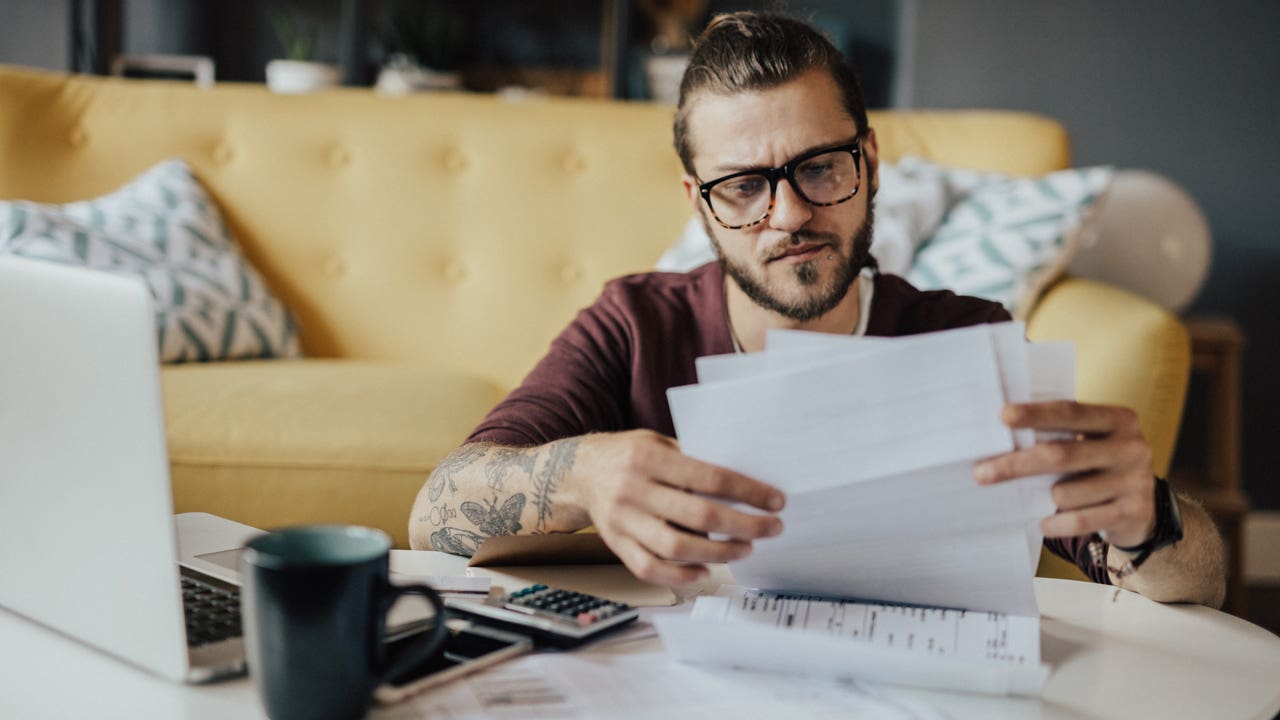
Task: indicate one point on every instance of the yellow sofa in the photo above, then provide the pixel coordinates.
(431, 247)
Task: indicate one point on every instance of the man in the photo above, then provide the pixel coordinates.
(781, 165)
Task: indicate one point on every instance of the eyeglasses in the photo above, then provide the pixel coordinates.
(823, 178)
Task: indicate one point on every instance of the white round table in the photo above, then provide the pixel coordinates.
(1114, 654)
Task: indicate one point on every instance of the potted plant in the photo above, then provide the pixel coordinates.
(423, 42)
(672, 22)
(296, 72)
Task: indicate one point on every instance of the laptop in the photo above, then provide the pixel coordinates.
(91, 546)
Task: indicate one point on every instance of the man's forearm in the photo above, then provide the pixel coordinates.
(1191, 570)
(481, 490)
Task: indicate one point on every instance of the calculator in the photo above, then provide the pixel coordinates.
(551, 616)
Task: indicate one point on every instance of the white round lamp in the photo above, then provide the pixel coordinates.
(1148, 237)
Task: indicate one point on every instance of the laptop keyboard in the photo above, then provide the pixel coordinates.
(213, 613)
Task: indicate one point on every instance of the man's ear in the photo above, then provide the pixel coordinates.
(871, 152)
(691, 191)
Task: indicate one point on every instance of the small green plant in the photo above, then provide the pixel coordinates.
(295, 36)
(430, 33)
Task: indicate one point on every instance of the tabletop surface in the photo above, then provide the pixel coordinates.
(1113, 653)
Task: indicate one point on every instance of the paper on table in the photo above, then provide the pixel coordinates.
(956, 660)
(445, 573)
(445, 583)
(922, 630)
(567, 686)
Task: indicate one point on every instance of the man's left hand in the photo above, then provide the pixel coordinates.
(1108, 487)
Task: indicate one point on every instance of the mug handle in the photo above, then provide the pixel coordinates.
(419, 650)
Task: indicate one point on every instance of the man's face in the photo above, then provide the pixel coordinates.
(801, 260)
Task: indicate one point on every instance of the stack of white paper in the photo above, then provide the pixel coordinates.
(874, 441)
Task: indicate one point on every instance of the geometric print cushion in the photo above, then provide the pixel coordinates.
(164, 228)
(1009, 238)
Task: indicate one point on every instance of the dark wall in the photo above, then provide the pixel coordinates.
(1187, 88)
(36, 33)
(866, 31)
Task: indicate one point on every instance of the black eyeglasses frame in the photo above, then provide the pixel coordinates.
(789, 172)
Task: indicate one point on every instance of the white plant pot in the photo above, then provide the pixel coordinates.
(401, 76)
(293, 77)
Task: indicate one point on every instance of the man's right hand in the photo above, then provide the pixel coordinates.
(647, 501)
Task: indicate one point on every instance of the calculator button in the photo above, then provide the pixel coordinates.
(586, 618)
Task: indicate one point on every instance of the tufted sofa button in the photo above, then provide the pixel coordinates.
(570, 274)
(78, 137)
(335, 266)
(574, 163)
(454, 271)
(455, 161)
(339, 157)
(222, 154)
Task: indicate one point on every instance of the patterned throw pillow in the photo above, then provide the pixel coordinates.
(1008, 238)
(164, 228)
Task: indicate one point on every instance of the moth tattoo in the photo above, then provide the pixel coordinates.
(495, 520)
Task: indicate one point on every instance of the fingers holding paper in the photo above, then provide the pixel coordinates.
(1108, 485)
(656, 507)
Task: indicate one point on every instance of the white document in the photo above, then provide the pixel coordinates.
(1008, 342)
(874, 441)
(907, 417)
(925, 631)
(966, 652)
(852, 419)
(928, 537)
(444, 573)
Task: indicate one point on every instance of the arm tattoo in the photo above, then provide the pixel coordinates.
(503, 460)
(455, 541)
(491, 520)
(560, 457)
(439, 515)
(494, 520)
(450, 466)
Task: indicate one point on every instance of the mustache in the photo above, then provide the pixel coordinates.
(801, 237)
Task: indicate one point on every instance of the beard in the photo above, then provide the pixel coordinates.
(822, 299)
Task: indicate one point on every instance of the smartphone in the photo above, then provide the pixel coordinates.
(470, 647)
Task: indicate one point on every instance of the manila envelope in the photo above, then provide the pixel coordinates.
(580, 562)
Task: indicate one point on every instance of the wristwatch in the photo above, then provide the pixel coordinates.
(1168, 530)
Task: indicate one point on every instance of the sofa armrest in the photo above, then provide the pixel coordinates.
(1129, 352)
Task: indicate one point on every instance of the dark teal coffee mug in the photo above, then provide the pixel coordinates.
(314, 605)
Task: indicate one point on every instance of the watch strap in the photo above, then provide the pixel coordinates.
(1167, 530)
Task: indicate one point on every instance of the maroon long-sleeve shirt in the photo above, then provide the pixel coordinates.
(610, 369)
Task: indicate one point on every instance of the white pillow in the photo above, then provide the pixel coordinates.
(163, 227)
